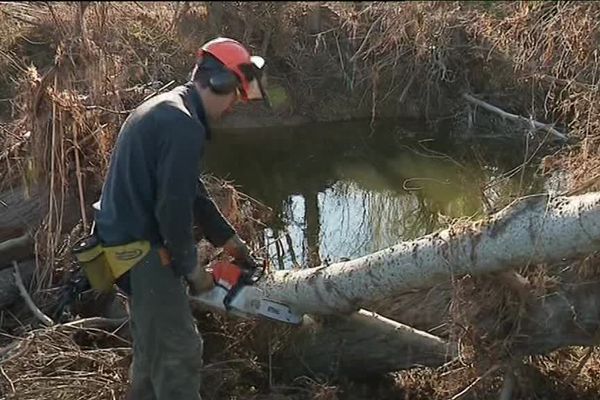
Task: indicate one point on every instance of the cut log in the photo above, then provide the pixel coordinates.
(537, 229)
(22, 210)
(18, 248)
(361, 345)
(20, 214)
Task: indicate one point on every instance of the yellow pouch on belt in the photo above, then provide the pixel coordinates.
(103, 265)
(122, 258)
(90, 255)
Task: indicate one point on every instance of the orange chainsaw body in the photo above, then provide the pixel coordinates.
(235, 293)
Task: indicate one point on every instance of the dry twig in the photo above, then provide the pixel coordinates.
(466, 390)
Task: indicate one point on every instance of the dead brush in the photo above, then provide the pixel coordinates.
(551, 47)
(70, 107)
(49, 360)
(405, 55)
(69, 113)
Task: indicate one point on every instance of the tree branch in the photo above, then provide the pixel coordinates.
(514, 117)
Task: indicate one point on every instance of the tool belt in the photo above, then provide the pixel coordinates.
(103, 265)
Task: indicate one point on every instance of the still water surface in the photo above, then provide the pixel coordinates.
(344, 190)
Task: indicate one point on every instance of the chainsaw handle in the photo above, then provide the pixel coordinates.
(253, 271)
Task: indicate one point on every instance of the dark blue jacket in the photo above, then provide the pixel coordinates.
(153, 189)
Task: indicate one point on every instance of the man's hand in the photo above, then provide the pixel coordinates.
(237, 248)
(200, 280)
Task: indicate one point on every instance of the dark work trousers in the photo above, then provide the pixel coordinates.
(167, 347)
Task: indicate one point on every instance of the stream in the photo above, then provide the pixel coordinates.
(343, 190)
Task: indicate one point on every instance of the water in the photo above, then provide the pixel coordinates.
(344, 190)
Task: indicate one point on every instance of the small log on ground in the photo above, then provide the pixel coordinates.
(18, 248)
(21, 209)
(536, 124)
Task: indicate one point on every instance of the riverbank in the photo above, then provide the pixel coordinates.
(73, 72)
(326, 62)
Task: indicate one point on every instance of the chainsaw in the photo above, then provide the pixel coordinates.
(235, 292)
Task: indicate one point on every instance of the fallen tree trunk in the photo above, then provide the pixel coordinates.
(537, 229)
(513, 117)
(534, 230)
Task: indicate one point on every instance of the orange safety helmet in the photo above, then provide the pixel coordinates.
(237, 59)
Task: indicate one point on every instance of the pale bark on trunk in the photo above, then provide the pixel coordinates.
(537, 229)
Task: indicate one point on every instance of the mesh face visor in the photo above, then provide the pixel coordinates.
(253, 88)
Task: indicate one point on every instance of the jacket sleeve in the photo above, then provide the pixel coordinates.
(206, 214)
(177, 170)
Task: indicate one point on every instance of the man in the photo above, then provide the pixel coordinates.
(153, 193)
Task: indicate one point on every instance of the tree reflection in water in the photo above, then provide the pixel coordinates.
(340, 191)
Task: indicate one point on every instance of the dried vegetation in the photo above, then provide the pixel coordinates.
(72, 73)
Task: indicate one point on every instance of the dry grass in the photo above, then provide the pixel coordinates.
(70, 83)
(70, 105)
(48, 362)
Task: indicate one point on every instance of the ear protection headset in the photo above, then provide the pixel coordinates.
(220, 80)
(223, 82)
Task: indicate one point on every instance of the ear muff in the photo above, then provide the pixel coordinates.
(220, 79)
(223, 82)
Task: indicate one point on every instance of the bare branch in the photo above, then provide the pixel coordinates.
(513, 117)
